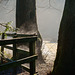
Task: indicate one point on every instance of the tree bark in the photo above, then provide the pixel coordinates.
(26, 20)
(65, 59)
(26, 16)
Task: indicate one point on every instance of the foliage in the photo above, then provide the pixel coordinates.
(7, 27)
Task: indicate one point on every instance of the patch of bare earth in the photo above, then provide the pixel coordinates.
(49, 54)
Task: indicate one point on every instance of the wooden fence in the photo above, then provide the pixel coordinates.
(30, 56)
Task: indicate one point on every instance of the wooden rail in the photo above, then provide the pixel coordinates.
(17, 62)
(17, 40)
(30, 56)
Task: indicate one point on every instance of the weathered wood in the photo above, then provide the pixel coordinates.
(14, 48)
(31, 55)
(25, 68)
(14, 55)
(32, 52)
(10, 34)
(19, 50)
(18, 40)
(17, 62)
(2, 49)
(20, 35)
(14, 51)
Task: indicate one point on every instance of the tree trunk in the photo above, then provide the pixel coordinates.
(26, 20)
(26, 16)
(65, 59)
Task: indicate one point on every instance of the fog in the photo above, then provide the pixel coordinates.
(48, 16)
(7, 12)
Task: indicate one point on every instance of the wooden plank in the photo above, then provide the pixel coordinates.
(18, 40)
(25, 68)
(32, 48)
(14, 51)
(14, 57)
(32, 63)
(17, 62)
(18, 50)
(20, 35)
(10, 34)
(9, 47)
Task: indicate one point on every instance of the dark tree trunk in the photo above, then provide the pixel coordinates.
(65, 59)
(26, 16)
(26, 20)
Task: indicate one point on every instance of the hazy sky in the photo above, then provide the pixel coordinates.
(7, 11)
(49, 17)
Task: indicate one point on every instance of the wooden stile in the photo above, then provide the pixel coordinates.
(30, 56)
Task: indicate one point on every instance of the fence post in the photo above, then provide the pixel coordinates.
(2, 49)
(32, 52)
(14, 49)
(14, 55)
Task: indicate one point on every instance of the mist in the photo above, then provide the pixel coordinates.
(48, 14)
(49, 17)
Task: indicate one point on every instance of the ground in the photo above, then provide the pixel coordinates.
(49, 54)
